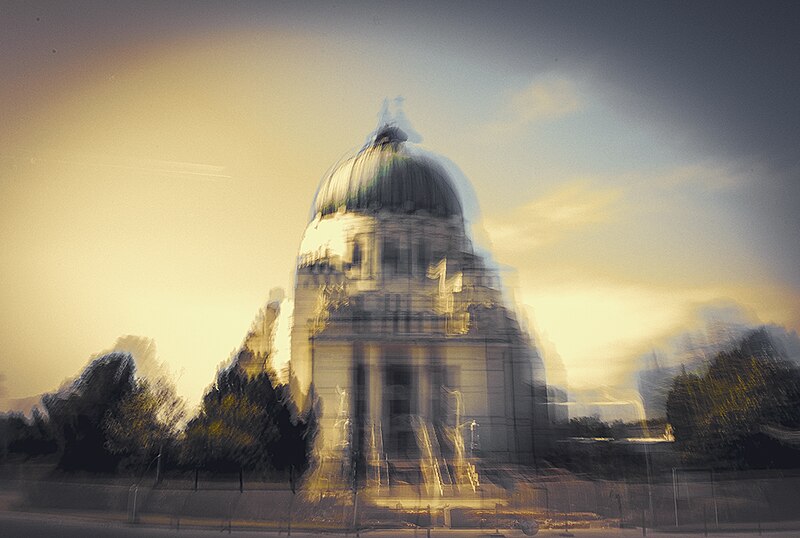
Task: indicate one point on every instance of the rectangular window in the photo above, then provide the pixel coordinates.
(404, 262)
(423, 258)
(389, 257)
(356, 255)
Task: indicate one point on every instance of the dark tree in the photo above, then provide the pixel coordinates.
(77, 414)
(246, 423)
(24, 437)
(144, 424)
(726, 414)
(685, 402)
(590, 426)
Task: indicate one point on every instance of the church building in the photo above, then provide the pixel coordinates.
(399, 337)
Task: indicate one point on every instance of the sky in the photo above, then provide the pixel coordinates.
(634, 166)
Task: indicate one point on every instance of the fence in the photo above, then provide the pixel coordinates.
(691, 498)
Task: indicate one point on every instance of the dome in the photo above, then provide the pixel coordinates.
(387, 175)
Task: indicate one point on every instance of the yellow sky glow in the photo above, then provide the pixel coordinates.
(166, 194)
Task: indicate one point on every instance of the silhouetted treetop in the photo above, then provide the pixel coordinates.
(246, 423)
(722, 413)
(78, 412)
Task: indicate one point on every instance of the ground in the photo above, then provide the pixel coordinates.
(24, 524)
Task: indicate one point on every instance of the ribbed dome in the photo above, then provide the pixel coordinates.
(385, 175)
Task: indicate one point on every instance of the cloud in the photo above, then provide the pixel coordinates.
(149, 167)
(544, 220)
(599, 328)
(603, 330)
(546, 99)
(710, 176)
(159, 168)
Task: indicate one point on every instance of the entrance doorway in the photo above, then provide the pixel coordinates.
(400, 402)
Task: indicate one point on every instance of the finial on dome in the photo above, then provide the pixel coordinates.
(393, 126)
(390, 134)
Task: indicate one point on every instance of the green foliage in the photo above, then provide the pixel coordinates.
(246, 423)
(145, 422)
(720, 415)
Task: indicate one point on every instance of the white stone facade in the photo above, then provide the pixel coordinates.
(399, 331)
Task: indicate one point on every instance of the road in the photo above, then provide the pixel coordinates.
(49, 525)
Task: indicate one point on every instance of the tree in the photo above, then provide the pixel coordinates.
(722, 413)
(77, 413)
(145, 422)
(685, 400)
(589, 426)
(246, 423)
(224, 434)
(19, 435)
